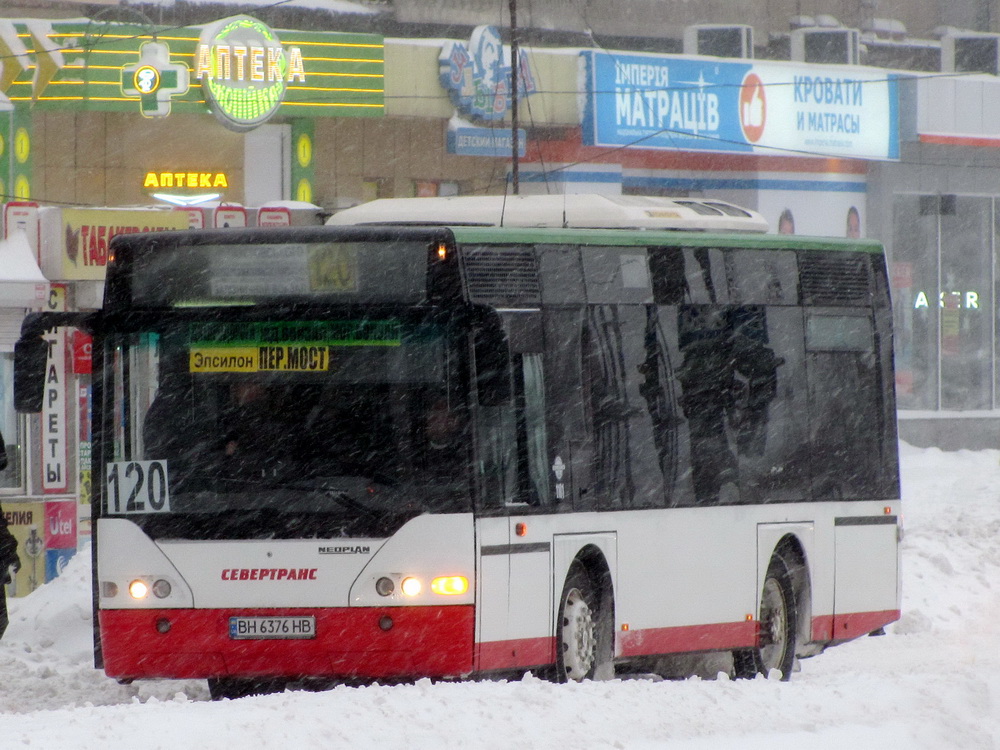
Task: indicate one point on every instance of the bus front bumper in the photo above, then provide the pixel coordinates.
(354, 643)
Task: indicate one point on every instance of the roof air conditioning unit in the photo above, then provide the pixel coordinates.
(825, 45)
(970, 52)
(718, 40)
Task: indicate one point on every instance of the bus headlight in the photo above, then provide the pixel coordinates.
(138, 590)
(450, 585)
(411, 586)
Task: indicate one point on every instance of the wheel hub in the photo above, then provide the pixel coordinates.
(578, 639)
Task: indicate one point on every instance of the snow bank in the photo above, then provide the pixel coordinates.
(932, 682)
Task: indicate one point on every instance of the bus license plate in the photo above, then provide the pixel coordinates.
(245, 628)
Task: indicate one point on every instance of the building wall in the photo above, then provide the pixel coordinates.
(100, 159)
(667, 18)
(104, 161)
(638, 18)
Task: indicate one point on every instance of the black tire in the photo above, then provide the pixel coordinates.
(232, 687)
(584, 630)
(777, 627)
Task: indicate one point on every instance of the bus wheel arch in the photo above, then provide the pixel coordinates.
(783, 617)
(585, 617)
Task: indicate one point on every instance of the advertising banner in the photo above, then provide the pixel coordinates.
(60, 535)
(46, 540)
(55, 434)
(85, 235)
(26, 522)
(752, 107)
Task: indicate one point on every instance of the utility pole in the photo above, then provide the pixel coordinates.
(514, 66)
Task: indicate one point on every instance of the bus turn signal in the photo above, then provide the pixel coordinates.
(450, 585)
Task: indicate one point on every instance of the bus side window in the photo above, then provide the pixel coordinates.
(762, 277)
(535, 453)
(495, 425)
(607, 409)
(704, 276)
(512, 436)
(492, 367)
(666, 266)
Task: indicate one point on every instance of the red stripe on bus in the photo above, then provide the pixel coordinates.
(835, 628)
(423, 641)
(726, 635)
(520, 652)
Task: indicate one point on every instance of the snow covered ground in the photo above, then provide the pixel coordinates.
(932, 682)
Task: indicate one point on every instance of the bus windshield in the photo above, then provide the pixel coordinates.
(258, 429)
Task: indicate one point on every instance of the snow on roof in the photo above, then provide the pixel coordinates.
(581, 211)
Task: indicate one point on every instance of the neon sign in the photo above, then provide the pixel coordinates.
(185, 180)
(154, 79)
(244, 71)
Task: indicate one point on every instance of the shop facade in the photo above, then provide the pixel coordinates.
(236, 123)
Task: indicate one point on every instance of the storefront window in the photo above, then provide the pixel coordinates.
(942, 286)
(12, 478)
(913, 272)
(966, 303)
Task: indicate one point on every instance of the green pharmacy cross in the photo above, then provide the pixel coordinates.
(154, 79)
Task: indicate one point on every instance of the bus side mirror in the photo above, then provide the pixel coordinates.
(29, 374)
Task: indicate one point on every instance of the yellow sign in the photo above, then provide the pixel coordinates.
(304, 150)
(161, 180)
(87, 233)
(303, 192)
(263, 358)
(22, 145)
(22, 188)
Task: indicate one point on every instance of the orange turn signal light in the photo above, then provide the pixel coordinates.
(450, 585)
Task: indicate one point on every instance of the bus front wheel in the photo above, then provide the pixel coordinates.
(582, 643)
(777, 626)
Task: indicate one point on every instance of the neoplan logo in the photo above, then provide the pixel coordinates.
(346, 550)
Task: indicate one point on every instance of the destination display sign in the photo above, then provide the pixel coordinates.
(282, 347)
(271, 358)
(238, 273)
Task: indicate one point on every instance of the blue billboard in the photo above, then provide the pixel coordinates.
(694, 104)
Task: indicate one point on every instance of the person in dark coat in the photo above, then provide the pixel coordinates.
(9, 561)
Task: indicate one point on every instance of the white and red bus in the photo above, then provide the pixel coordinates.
(474, 436)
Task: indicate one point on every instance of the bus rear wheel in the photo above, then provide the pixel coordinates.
(581, 640)
(777, 626)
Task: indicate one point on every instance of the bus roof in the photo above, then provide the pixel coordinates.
(579, 211)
